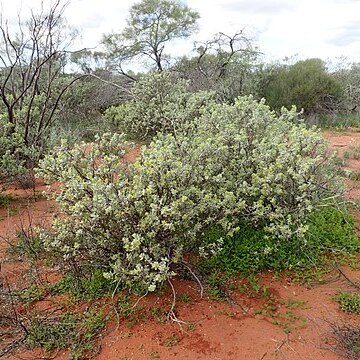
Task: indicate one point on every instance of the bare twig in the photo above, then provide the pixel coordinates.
(171, 314)
(348, 279)
(195, 277)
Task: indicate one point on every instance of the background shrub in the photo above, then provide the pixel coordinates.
(162, 103)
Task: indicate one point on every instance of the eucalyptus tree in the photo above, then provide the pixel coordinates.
(151, 26)
(306, 84)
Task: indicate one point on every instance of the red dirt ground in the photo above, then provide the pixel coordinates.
(219, 330)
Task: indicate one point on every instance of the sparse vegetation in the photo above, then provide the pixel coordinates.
(66, 331)
(172, 341)
(349, 302)
(348, 341)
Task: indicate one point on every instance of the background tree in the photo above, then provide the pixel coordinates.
(151, 25)
(33, 81)
(225, 64)
(349, 76)
(306, 84)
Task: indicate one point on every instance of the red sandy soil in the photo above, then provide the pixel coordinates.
(220, 330)
(341, 142)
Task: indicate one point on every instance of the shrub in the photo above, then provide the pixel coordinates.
(11, 150)
(275, 165)
(162, 103)
(240, 165)
(137, 219)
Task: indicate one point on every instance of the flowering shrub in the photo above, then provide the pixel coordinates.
(277, 166)
(162, 103)
(239, 164)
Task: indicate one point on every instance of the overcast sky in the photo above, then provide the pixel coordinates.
(309, 28)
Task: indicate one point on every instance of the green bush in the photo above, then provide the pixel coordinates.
(240, 165)
(93, 286)
(305, 84)
(162, 103)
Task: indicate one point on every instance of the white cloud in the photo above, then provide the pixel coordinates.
(321, 28)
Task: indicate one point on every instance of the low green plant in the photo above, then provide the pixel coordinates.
(353, 152)
(293, 304)
(281, 313)
(256, 287)
(216, 285)
(90, 325)
(124, 306)
(158, 314)
(183, 298)
(291, 321)
(154, 355)
(28, 246)
(5, 200)
(92, 286)
(332, 229)
(31, 294)
(134, 314)
(52, 333)
(349, 302)
(250, 250)
(269, 309)
(172, 341)
(66, 331)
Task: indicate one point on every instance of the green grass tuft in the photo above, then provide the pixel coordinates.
(84, 288)
(349, 302)
(5, 200)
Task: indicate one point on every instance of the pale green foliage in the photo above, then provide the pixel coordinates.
(239, 164)
(162, 103)
(137, 219)
(21, 142)
(276, 165)
(102, 203)
(11, 150)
